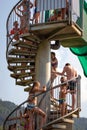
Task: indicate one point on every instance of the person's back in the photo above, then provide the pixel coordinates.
(71, 74)
(70, 71)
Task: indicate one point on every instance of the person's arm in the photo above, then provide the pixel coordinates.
(17, 13)
(42, 89)
(61, 73)
(31, 4)
(76, 73)
(18, 7)
(38, 89)
(71, 91)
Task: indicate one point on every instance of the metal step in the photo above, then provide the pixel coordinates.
(54, 102)
(20, 60)
(24, 44)
(22, 75)
(22, 52)
(74, 116)
(68, 120)
(58, 126)
(30, 37)
(25, 82)
(27, 89)
(19, 68)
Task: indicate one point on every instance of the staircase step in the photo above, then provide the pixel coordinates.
(24, 44)
(30, 82)
(19, 68)
(22, 75)
(54, 117)
(74, 116)
(54, 102)
(27, 89)
(58, 126)
(22, 52)
(20, 60)
(68, 120)
(30, 37)
(25, 82)
(64, 120)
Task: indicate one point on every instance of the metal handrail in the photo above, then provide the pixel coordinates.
(49, 89)
(11, 39)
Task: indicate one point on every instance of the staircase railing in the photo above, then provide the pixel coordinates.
(72, 14)
(14, 17)
(54, 106)
(54, 101)
(9, 25)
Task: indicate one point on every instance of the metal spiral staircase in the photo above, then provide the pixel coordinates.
(21, 61)
(21, 58)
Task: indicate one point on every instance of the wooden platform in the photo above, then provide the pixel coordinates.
(58, 30)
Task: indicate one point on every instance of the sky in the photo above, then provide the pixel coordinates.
(14, 93)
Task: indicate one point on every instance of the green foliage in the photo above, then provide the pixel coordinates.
(1, 128)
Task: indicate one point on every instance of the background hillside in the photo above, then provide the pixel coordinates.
(80, 124)
(5, 108)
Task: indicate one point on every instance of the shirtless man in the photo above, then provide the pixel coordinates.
(70, 73)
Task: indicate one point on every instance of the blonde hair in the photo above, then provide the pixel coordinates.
(36, 83)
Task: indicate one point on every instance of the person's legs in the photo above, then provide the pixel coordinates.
(63, 108)
(53, 74)
(36, 17)
(42, 114)
(60, 108)
(31, 125)
(63, 13)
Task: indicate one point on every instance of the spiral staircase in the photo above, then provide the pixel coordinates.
(21, 61)
(21, 58)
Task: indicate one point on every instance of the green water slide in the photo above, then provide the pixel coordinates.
(81, 52)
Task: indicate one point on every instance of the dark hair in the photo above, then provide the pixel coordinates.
(53, 53)
(67, 64)
(63, 79)
(15, 22)
(25, 110)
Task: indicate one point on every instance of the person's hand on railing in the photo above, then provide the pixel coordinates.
(44, 88)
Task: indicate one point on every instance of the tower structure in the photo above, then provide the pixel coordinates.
(29, 48)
